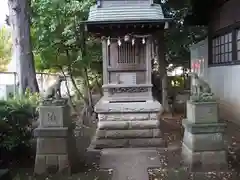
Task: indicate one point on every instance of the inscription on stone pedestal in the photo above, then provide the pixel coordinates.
(51, 118)
(206, 112)
(202, 112)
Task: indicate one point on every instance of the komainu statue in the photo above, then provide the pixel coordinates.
(201, 91)
(200, 86)
(54, 91)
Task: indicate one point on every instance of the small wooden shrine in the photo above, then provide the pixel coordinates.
(127, 112)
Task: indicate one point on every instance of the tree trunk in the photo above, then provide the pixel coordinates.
(76, 88)
(162, 69)
(20, 23)
(85, 73)
(87, 86)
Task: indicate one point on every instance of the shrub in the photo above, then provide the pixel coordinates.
(16, 117)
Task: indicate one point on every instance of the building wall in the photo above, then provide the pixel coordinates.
(225, 15)
(223, 80)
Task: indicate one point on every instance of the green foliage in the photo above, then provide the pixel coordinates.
(178, 41)
(16, 116)
(31, 98)
(203, 97)
(5, 48)
(59, 36)
(180, 36)
(61, 43)
(177, 81)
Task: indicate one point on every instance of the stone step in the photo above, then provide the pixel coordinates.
(92, 156)
(127, 143)
(125, 134)
(103, 107)
(184, 174)
(127, 116)
(128, 124)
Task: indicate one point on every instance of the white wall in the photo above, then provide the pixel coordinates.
(9, 80)
(224, 82)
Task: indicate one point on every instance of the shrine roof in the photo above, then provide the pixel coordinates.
(133, 10)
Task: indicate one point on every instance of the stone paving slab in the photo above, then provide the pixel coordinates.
(183, 174)
(91, 174)
(171, 158)
(129, 163)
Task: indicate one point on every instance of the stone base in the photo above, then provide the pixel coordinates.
(128, 143)
(203, 144)
(51, 164)
(132, 124)
(209, 160)
(55, 150)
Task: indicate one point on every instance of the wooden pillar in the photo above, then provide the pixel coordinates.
(149, 65)
(105, 60)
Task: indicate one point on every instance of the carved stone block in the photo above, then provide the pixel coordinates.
(40, 164)
(128, 90)
(204, 158)
(51, 132)
(52, 146)
(203, 142)
(200, 128)
(202, 112)
(147, 142)
(54, 116)
(109, 143)
(45, 164)
(122, 134)
(113, 125)
(128, 107)
(123, 117)
(149, 124)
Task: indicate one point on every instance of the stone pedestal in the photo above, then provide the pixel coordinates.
(55, 139)
(203, 136)
(127, 124)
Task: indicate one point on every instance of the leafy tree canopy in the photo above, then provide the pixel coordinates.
(5, 48)
(180, 36)
(59, 37)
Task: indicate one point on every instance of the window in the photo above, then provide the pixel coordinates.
(222, 49)
(126, 53)
(238, 44)
(226, 46)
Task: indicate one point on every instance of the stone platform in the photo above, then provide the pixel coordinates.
(203, 144)
(128, 124)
